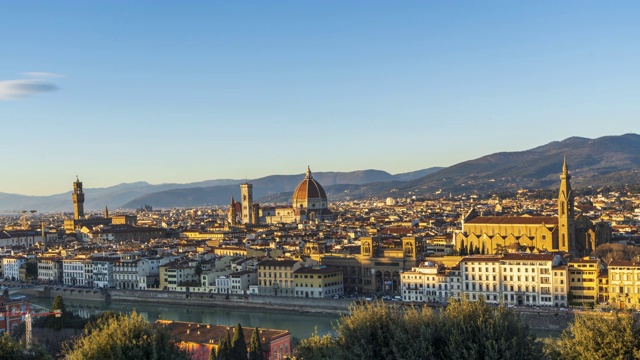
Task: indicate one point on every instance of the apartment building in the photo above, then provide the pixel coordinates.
(583, 280)
(515, 279)
(11, 266)
(560, 285)
(624, 284)
(527, 278)
(427, 283)
(275, 277)
(75, 271)
(481, 277)
(50, 270)
(318, 282)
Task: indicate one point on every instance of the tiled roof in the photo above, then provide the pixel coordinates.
(515, 220)
(213, 334)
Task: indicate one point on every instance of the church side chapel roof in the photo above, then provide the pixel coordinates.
(514, 220)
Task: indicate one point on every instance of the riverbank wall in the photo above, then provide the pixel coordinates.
(274, 303)
(543, 319)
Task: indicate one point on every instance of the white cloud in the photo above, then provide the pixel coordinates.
(42, 74)
(17, 89)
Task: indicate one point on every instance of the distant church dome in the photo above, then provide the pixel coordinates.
(309, 194)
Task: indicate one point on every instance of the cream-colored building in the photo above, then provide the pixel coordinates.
(481, 278)
(512, 279)
(276, 277)
(318, 282)
(174, 275)
(430, 282)
(527, 278)
(50, 270)
(624, 284)
(560, 286)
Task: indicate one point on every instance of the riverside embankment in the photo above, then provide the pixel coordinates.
(274, 303)
(540, 319)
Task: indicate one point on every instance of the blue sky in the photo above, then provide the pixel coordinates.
(168, 91)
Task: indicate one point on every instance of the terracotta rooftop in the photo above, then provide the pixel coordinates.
(507, 220)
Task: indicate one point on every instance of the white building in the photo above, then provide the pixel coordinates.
(11, 266)
(481, 277)
(241, 280)
(73, 271)
(527, 278)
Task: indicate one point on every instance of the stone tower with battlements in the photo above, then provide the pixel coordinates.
(78, 200)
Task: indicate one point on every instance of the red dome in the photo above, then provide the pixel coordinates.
(309, 188)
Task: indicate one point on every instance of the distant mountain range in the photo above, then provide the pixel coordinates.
(608, 160)
(210, 192)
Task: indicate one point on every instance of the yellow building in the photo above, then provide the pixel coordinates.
(318, 282)
(583, 280)
(568, 231)
(275, 277)
(624, 284)
(231, 251)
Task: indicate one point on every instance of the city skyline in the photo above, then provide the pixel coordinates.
(164, 93)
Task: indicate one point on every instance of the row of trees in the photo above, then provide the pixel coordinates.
(468, 330)
(237, 348)
(464, 330)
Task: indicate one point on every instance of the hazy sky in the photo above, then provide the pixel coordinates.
(175, 91)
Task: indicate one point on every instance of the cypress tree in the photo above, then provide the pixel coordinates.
(255, 351)
(224, 351)
(239, 345)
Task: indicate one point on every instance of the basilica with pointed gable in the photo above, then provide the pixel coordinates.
(567, 232)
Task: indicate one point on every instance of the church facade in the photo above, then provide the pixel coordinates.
(567, 232)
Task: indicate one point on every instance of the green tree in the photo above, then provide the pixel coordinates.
(225, 350)
(58, 304)
(255, 349)
(238, 344)
(57, 322)
(125, 337)
(10, 349)
(314, 348)
(593, 336)
(198, 270)
(465, 330)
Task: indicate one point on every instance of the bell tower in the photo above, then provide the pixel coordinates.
(566, 217)
(246, 190)
(78, 200)
(233, 216)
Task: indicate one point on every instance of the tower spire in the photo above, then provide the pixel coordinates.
(308, 172)
(566, 216)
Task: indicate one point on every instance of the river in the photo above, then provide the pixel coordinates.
(300, 325)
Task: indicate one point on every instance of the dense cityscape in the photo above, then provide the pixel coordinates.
(524, 252)
(335, 180)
